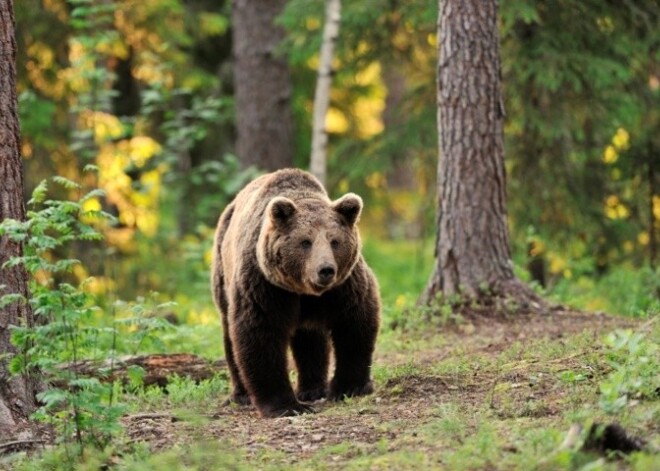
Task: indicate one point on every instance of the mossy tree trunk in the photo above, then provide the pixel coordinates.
(17, 394)
(473, 257)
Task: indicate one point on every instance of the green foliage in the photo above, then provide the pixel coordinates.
(575, 75)
(440, 312)
(199, 457)
(402, 268)
(82, 409)
(575, 78)
(36, 116)
(635, 361)
(623, 290)
(188, 121)
(580, 107)
(186, 396)
(144, 320)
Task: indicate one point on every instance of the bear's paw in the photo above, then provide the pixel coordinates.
(288, 410)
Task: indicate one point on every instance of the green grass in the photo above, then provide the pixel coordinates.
(624, 290)
(467, 410)
(402, 268)
(443, 399)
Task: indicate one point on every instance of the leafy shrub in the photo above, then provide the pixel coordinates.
(81, 407)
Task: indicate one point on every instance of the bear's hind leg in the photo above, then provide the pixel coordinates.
(310, 351)
(239, 394)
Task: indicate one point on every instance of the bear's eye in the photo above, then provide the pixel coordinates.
(334, 243)
(306, 244)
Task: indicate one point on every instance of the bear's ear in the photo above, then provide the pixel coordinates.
(281, 209)
(349, 206)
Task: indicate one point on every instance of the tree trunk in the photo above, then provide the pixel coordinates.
(17, 394)
(472, 248)
(262, 86)
(319, 160)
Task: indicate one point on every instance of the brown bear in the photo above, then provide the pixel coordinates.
(287, 271)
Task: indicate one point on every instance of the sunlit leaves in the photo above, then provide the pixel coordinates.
(580, 117)
(615, 209)
(90, 13)
(610, 155)
(39, 193)
(213, 24)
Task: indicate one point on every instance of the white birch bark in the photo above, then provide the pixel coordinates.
(318, 164)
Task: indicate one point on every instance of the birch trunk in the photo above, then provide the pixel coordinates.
(319, 160)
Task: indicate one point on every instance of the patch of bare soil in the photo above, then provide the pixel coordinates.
(401, 403)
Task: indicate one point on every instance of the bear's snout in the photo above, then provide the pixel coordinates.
(326, 274)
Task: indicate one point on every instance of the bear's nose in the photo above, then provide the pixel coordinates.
(326, 274)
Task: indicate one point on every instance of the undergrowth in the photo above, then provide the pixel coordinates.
(82, 409)
(612, 380)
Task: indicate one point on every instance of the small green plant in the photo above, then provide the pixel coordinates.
(635, 361)
(144, 322)
(441, 311)
(80, 408)
(185, 391)
(572, 377)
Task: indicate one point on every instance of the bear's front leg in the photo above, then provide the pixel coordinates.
(354, 335)
(260, 347)
(353, 357)
(310, 352)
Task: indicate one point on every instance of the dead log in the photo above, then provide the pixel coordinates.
(156, 368)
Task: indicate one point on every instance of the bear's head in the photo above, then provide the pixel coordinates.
(309, 246)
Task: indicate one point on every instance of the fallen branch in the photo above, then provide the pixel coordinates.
(152, 416)
(157, 368)
(18, 445)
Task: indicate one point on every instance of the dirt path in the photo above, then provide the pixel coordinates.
(471, 366)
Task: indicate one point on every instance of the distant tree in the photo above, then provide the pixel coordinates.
(17, 394)
(473, 257)
(319, 160)
(262, 84)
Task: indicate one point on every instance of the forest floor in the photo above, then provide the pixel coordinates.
(480, 394)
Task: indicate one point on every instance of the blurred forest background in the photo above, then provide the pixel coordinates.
(144, 90)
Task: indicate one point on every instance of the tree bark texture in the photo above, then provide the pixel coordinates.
(262, 86)
(17, 394)
(319, 160)
(472, 248)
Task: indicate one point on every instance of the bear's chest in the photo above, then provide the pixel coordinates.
(315, 311)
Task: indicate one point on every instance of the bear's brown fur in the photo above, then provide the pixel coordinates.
(287, 271)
